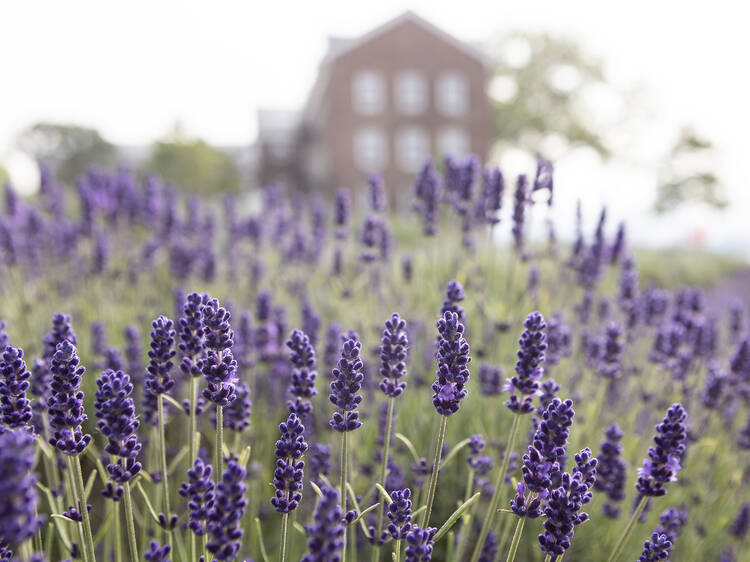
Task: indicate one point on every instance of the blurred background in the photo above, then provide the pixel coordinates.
(642, 106)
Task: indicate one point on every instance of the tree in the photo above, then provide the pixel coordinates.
(686, 175)
(67, 149)
(192, 164)
(538, 90)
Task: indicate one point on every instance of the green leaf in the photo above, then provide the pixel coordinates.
(455, 516)
(148, 502)
(385, 493)
(260, 540)
(63, 518)
(454, 451)
(409, 445)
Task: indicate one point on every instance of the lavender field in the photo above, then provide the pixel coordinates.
(333, 381)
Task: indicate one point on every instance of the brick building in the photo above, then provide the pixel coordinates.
(382, 102)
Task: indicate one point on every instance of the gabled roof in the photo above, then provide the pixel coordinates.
(340, 46)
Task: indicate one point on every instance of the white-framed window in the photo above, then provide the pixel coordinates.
(412, 147)
(368, 92)
(410, 92)
(454, 141)
(370, 149)
(452, 94)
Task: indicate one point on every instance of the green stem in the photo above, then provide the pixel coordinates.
(75, 461)
(344, 458)
(516, 540)
(38, 546)
(130, 523)
(383, 472)
(191, 443)
(466, 519)
(118, 533)
(219, 453)
(284, 527)
(628, 530)
(548, 558)
(163, 453)
(435, 471)
(499, 488)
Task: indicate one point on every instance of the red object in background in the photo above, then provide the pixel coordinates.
(698, 238)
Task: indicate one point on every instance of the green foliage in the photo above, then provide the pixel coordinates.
(68, 149)
(549, 88)
(686, 176)
(4, 176)
(193, 165)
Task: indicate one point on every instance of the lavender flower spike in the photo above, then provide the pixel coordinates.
(159, 370)
(199, 491)
(529, 369)
(18, 493)
(663, 462)
(218, 365)
(393, 349)
(657, 548)
(419, 544)
(287, 477)
(14, 382)
(325, 536)
(65, 405)
(302, 358)
(452, 373)
(346, 383)
(226, 513)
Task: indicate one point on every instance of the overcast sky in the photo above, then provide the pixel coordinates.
(131, 69)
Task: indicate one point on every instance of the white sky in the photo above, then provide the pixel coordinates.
(131, 69)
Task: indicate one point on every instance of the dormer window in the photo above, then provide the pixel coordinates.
(368, 92)
(452, 94)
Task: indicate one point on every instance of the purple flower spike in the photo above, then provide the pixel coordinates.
(118, 423)
(287, 477)
(159, 370)
(419, 544)
(529, 369)
(454, 294)
(61, 331)
(65, 405)
(658, 548)
(490, 379)
(302, 358)
(393, 349)
(190, 334)
(399, 515)
(346, 383)
(611, 473)
(199, 491)
(226, 513)
(325, 536)
(14, 382)
(489, 548)
(156, 553)
(663, 462)
(18, 493)
(218, 365)
(453, 359)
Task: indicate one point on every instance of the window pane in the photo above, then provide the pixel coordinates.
(411, 93)
(412, 147)
(453, 142)
(452, 94)
(368, 92)
(370, 149)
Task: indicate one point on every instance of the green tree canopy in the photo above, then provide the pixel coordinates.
(686, 175)
(538, 90)
(193, 165)
(68, 149)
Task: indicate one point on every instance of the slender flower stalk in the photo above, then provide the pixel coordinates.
(347, 381)
(661, 466)
(529, 369)
(287, 477)
(393, 354)
(158, 382)
(449, 388)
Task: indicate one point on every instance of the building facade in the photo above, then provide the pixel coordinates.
(383, 103)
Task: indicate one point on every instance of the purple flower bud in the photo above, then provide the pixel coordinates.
(399, 515)
(156, 553)
(490, 379)
(419, 544)
(658, 548)
(454, 294)
(529, 369)
(611, 472)
(287, 477)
